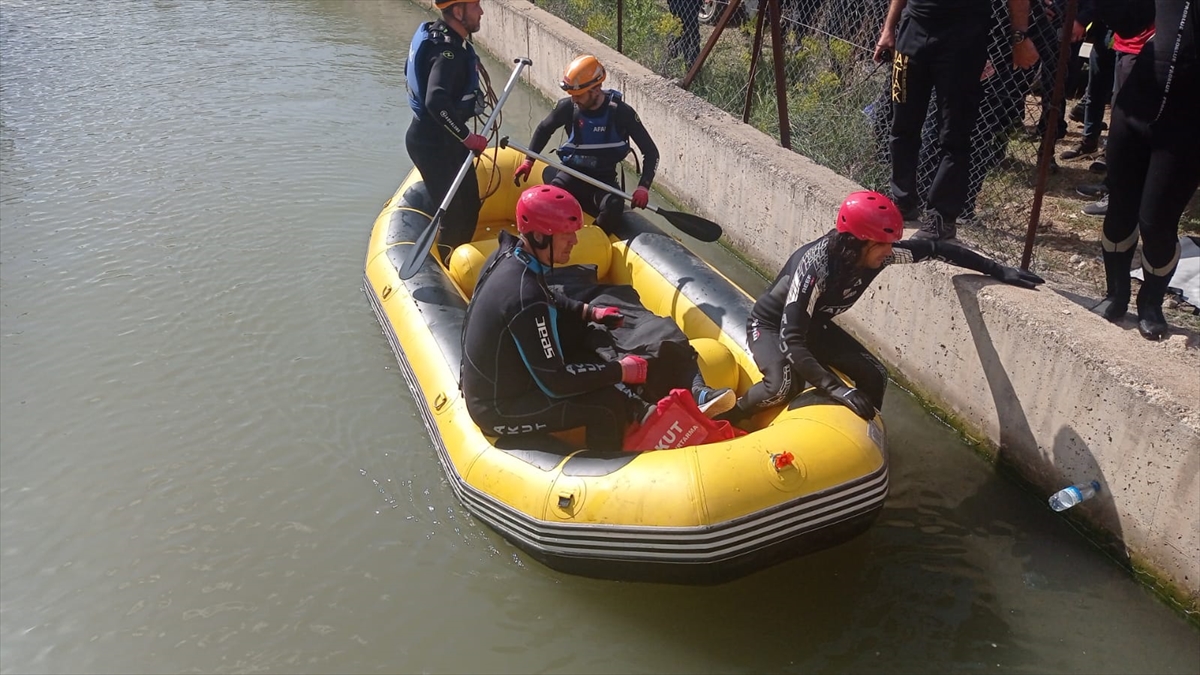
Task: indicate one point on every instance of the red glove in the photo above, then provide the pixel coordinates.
(611, 317)
(633, 369)
(641, 197)
(522, 173)
(475, 143)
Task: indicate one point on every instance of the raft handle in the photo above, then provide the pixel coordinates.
(565, 499)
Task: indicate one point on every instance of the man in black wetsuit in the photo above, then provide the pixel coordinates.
(1153, 154)
(940, 45)
(599, 127)
(443, 92)
(514, 378)
(791, 331)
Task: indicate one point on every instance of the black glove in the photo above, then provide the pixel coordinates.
(854, 400)
(1017, 277)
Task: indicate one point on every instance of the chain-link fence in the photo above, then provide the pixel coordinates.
(839, 109)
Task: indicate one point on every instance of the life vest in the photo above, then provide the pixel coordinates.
(428, 38)
(676, 423)
(594, 142)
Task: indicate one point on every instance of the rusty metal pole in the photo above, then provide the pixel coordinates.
(620, 25)
(687, 80)
(785, 131)
(755, 52)
(1046, 154)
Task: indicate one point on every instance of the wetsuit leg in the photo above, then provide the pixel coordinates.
(602, 205)
(604, 413)
(439, 164)
(835, 348)
(779, 381)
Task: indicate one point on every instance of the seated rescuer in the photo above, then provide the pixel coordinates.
(514, 378)
(599, 126)
(442, 72)
(791, 331)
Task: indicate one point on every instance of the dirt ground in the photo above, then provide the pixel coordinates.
(1066, 249)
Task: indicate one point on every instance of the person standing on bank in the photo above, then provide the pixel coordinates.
(515, 380)
(599, 127)
(940, 45)
(1153, 155)
(791, 331)
(444, 94)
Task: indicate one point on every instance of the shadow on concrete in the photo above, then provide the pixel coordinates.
(1129, 323)
(1069, 461)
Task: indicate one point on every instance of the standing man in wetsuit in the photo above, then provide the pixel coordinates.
(515, 380)
(444, 94)
(1153, 155)
(940, 45)
(791, 331)
(599, 127)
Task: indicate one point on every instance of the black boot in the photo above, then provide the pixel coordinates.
(612, 209)
(1151, 322)
(1116, 296)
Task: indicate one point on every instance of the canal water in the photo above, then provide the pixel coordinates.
(209, 461)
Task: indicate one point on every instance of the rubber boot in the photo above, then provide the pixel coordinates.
(1151, 322)
(1116, 295)
(611, 209)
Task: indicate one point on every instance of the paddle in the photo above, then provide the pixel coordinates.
(700, 228)
(420, 247)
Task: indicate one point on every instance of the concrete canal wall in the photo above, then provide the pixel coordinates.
(1054, 392)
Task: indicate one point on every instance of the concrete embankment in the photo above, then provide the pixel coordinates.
(1050, 390)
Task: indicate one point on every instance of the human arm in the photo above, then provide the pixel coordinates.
(886, 43)
(957, 254)
(558, 118)
(534, 331)
(1024, 52)
(448, 77)
(637, 133)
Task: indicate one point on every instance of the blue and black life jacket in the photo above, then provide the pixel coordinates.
(430, 37)
(594, 141)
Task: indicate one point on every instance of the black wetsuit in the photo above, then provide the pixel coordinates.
(515, 379)
(622, 124)
(791, 331)
(1153, 145)
(940, 45)
(443, 85)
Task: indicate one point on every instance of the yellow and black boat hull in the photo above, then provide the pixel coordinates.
(701, 514)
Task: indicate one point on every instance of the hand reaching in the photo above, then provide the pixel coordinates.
(611, 317)
(1017, 277)
(854, 400)
(522, 173)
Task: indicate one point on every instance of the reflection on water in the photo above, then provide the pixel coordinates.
(209, 461)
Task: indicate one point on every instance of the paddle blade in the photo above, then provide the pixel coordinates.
(695, 226)
(420, 248)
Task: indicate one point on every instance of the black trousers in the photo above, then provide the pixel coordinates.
(602, 205)
(831, 345)
(603, 413)
(438, 157)
(946, 59)
(1153, 170)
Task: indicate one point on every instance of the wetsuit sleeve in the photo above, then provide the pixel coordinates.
(793, 331)
(567, 305)
(557, 119)
(448, 79)
(535, 331)
(919, 250)
(638, 134)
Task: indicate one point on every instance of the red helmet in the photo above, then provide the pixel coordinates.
(870, 216)
(548, 209)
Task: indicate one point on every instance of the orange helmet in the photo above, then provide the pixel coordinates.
(582, 74)
(446, 4)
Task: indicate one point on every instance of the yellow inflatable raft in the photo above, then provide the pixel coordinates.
(702, 514)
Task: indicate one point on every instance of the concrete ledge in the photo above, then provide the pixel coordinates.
(1057, 393)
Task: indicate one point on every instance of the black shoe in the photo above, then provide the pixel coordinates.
(1151, 322)
(1087, 146)
(1076, 113)
(1117, 285)
(936, 227)
(1091, 191)
(1097, 208)
(713, 402)
(1098, 166)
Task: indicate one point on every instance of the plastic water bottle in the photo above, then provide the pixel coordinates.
(1073, 494)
